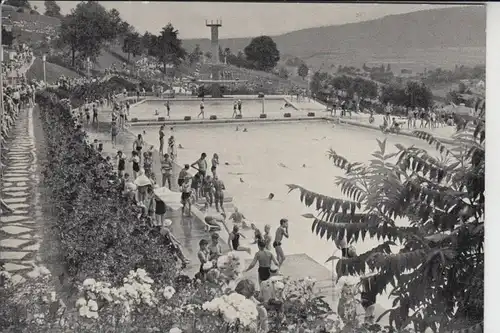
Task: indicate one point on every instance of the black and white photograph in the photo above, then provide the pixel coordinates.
(243, 167)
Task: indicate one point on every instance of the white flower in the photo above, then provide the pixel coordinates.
(92, 305)
(81, 302)
(89, 283)
(168, 292)
(208, 265)
(175, 330)
(279, 285)
(53, 297)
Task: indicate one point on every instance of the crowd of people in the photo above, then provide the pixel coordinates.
(21, 55)
(16, 97)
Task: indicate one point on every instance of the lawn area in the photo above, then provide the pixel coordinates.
(53, 71)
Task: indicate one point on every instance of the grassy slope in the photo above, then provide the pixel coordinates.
(53, 71)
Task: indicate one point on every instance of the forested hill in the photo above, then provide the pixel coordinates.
(455, 27)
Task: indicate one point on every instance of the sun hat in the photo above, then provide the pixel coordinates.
(142, 180)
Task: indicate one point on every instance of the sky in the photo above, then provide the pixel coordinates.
(243, 19)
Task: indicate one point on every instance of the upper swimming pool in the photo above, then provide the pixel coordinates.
(220, 108)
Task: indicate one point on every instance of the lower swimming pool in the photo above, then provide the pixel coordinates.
(270, 155)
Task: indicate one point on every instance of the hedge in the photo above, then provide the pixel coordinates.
(100, 233)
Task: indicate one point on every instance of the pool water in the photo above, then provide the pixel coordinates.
(270, 155)
(221, 109)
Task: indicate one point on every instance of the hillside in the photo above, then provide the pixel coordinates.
(53, 71)
(430, 38)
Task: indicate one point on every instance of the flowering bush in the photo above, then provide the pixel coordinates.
(235, 309)
(99, 232)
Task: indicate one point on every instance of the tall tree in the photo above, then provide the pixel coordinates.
(52, 9)
(262, 53)
(303, 70)
(86, 29)
(438, 274)
(132, 45)
(18, 3)
(168, 47)
(195, 56)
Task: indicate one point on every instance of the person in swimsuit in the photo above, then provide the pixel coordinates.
(267, 238)
(264, 257)
(182, 175)
(215, 163)
(186, 195)
(235, 109)
(234, 240)
(135, 163)
(219, 194)
(160, 211)
(239, 107)
(114, 132)
(171, 147)
(212, 222)
(166, 171)
(167, 105)
(87, 113)
(201, 164)
(280, 232)
(203, 255)
(138, 144)
(257, 234)
(148, 162)
(215, 249)
(238, 218)
(202, 110)
(121, 158)
(162, 139)
(94, 115)
(208, 191)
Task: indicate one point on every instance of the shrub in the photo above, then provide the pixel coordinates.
(100, 233)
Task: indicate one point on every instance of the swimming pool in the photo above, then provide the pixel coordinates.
(271, 155)
(220, 108)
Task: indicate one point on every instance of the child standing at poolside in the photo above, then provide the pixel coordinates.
(202, 110)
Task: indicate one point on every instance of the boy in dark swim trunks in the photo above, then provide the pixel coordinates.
(264, 258)
(182, 175)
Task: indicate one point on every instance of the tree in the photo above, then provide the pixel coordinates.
(86, 29)
(7, 37)
(18, 3)
(262, 53)
(388, 68)
(303, 70)
(195, 56)
(132, 45)
(52, 9)
(393, 94)
(283, 73)
(438, 274)
(417, 95)
(167, 47)
(208, 55)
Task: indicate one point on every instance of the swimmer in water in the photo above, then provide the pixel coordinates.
(271, 196)
(237, 128)
(156, 112)
(245, 130)
(303, 165)
(180, 146)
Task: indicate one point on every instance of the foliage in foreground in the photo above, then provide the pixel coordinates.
(438, 274)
